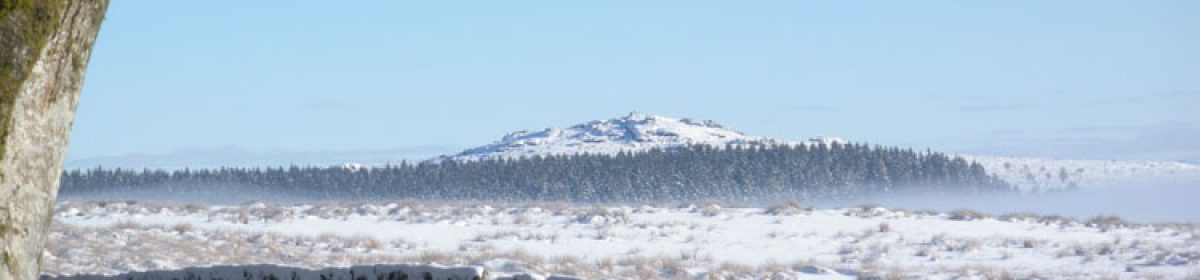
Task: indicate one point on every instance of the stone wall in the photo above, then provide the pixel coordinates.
(44, 50)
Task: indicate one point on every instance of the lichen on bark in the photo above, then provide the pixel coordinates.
(25, 26)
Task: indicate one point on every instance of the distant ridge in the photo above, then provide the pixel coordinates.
(640, 132)
(632, 132)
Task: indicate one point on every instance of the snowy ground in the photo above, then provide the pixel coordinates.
(645, 242)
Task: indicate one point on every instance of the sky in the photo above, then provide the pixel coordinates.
(392, 79)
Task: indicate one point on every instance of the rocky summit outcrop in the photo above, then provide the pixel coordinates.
(44, 50)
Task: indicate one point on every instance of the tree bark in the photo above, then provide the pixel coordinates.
(44, 50)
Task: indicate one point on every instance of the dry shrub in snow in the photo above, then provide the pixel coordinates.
(711, 210)
(669, 267)
(367, 242)
(1107, 249)
(1055, 220)
(867, 211)
(924, 251)
(995, 273)
(565, 265)
(1106, 222)
(968, 245)
(193, 208)
(785, 209)
(735, 268)
(603, 215)
(183, 228)
(883, 273)
(867, 207)
(522, 219)
(966, 215)
(1019, 217)
(850, 252)
(434, 257)
(1029, 243)
(1075, 250)
(605, 265)
(773, 267)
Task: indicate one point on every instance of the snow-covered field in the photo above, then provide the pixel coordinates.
(645, 242)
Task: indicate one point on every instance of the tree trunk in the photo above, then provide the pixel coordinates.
(44, 50)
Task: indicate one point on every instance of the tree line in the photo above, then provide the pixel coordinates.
(677, 174)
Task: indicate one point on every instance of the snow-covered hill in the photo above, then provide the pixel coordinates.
(633, 132)
(639, 132)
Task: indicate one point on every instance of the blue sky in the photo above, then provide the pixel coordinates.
(1082, 79)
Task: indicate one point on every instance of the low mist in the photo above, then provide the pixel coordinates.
(1176, 199)
(1168, 200)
